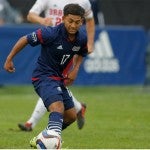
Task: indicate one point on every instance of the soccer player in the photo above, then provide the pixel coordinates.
(53, 10)
(54, 70)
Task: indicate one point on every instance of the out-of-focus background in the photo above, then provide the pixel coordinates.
(121, 55)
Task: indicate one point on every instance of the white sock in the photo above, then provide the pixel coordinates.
(38, 112)
(77, 104)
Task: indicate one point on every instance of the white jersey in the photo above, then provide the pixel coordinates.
(54, 8)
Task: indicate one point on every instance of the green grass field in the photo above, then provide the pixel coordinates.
(117, 117)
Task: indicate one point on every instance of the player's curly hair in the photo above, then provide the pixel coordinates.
(74, 9)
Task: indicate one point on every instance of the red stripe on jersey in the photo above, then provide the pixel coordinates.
(35, 79)
(39, 34)
(66, 70)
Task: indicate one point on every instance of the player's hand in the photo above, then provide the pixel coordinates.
(71, 77)
(47, 21)
(90, 49)
(9, 66)
(68, 82)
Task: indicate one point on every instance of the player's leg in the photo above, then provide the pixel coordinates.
(70, 114)
(55, 121)
(80, 110)
(61, 106)
(64, 106)
(40, 110)
(37, 114)
(69, 117)
(51, 93)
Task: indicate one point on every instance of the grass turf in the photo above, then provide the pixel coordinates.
(116, 118)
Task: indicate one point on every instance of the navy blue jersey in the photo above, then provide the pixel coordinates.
(56, 50)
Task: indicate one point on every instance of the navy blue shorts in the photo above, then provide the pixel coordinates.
(51, 90)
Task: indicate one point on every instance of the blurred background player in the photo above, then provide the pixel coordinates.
(53, 12)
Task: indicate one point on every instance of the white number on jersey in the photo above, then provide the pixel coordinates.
(64, 59)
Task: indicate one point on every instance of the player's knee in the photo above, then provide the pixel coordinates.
(57, 107)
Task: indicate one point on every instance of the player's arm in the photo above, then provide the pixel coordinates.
(90, 28)
(74, 72)
(35, 18)
(21, 43)
(34, 14)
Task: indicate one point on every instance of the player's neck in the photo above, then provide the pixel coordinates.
(71, 37)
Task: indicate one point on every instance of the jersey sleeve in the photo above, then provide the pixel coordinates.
(83, 51)
(88, 9)
(41, 36)
(39, 6)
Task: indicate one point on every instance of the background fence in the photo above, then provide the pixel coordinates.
(118, 58)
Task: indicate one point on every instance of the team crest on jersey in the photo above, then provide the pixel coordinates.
(34, 37)
(76, 48)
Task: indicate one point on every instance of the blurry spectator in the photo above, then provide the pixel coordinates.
(9, 14)
(22, 7)
(98, 14)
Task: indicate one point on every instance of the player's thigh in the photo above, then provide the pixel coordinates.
(67, 99)
(49, 90)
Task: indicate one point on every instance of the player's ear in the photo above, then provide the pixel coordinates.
(83, 20)
(63, 18)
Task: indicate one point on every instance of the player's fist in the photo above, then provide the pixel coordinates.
(68, 82)
(47, 21)
(9, 66)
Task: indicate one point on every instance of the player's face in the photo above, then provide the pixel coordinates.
(72, 23)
